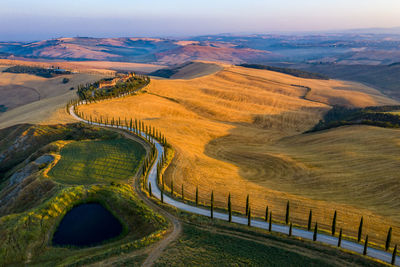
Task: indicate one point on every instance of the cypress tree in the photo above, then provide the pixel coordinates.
(388, 239)
(340, 238)
(365, 246)
(309, 221)
(229, 208)
(249, 217)
(183, 195)
(287, 213)
(334, 223)
(266, 214)
(247, 204)
(212, 204)
(197, 195)
(270, 222)
(315, 232)
(394, 255)
(172, 188)
(162, 196)
(360, 229)
(150, 189)
(290, 229)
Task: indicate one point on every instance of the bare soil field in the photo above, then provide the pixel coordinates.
(240, 131)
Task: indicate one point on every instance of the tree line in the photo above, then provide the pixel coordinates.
(38, 71)
(268, 218)
(375, 116)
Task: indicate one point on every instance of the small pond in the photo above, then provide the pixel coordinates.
(87, 225)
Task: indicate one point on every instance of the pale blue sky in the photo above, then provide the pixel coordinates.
(41, 19)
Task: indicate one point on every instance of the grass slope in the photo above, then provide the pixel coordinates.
(234, 131)
(199, 247)
(31, 207)
(294, 72)
(383, 77)
(207, 242)
(189, 70)
(28, 98)
(26, 237)
(90, 162)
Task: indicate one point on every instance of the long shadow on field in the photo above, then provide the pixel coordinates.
(309, 168)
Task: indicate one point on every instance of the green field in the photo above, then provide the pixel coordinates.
(90, 159)
(208, 246)
(99, 161)
(198, 247)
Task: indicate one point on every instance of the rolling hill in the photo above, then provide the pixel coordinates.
(188, 70)
(240, 131)
(140, 50)
(27, 98)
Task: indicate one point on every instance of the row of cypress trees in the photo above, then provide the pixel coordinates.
(268, 217)
(138, 126)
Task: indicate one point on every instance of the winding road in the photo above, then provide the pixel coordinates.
(152, 178)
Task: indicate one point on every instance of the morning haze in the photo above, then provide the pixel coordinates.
(22, 20)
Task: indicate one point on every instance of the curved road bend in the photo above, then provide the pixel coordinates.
(323, 238)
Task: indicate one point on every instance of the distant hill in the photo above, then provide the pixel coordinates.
(293, 72)
(187, 70)
(211, 52)
(386, 78)
(140, 50)
(82, 48)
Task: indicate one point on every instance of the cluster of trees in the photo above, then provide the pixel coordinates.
(293, 72)
(42, 72)
(376, 116)
(92, 92)
(3, 108)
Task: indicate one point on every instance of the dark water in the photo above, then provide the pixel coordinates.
(87, 225)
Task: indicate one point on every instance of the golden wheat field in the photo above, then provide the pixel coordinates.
(32, 99)
(239, 131)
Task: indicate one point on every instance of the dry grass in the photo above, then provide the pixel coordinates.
(197, 69)
(33, 99)
(239, 131)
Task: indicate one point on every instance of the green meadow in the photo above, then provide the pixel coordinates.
(98, 161)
